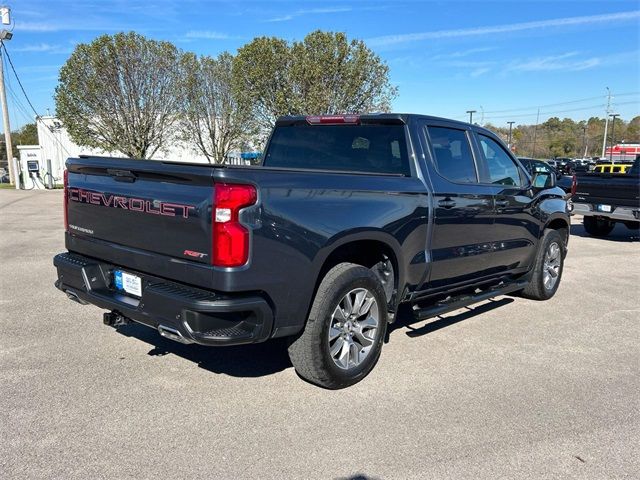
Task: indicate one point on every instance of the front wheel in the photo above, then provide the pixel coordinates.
(547, 270)
(598, 227)
(343, 337)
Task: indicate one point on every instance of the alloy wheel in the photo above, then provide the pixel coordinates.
(354, 324)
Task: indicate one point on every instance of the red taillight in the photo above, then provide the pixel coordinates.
(230, 237)
(333, 119)
(65, 203)
(574, 185)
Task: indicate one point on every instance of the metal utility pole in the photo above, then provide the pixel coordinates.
(471, 112)
(535, 134)
(606, 123)
(613, 132)
(584, 141)
(510, 128)
(6, 35)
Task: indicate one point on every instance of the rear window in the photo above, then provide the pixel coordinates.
(355, 148)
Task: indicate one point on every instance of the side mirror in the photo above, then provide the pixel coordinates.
(543, 180)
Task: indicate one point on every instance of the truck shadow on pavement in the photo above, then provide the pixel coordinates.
(619, 234)
(255, 360)
(261, 359)
(406, 319)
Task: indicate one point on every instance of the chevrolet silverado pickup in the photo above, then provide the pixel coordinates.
(606, 199)
(347, 218)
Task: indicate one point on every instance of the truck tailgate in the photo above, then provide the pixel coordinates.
(616, 190)
(128, 203)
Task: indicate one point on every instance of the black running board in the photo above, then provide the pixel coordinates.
(454, 303)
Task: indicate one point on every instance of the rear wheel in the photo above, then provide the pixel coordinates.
(547, 271)
(598, 227)
(342, 339)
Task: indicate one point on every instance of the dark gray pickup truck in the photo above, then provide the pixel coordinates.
(348, 217)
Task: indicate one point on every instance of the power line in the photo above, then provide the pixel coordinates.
(18, 78)
(536, 107)
(569, 102)
(20, 108)
(16, 101)
(543, 106)
(53, 135)
(545, 113)
(561, 111)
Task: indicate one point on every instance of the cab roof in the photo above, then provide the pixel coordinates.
(369, 119)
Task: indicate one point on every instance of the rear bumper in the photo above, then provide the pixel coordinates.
(625, 214)
(178, 311)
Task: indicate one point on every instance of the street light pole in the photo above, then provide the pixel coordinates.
(471, 112)
(510, 128)
(606, 123)
(613, 133)
(584, 141)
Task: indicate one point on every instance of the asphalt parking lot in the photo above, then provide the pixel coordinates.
(509, 389)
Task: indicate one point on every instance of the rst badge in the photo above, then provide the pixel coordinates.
(194, 254)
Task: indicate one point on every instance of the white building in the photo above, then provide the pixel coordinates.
(56, 145)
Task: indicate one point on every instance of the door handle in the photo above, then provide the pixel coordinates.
(502, 203)
(446, 203)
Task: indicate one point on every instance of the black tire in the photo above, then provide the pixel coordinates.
(310, 351)
(536, 289)
(598, 227)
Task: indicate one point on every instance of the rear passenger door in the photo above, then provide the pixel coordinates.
(516, 229)
(463, 209)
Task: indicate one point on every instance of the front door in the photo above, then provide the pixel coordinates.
(515, 229)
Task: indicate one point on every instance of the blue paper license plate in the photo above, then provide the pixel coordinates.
(128, 282)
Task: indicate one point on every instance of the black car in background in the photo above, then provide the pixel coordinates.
(564, 165)
(568, 182)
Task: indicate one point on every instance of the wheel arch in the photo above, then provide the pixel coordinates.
(369, 249)
(562, 225)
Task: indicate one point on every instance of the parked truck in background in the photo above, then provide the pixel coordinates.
(348, 218)
(606, 199)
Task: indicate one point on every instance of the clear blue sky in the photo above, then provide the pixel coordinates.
(445, 56)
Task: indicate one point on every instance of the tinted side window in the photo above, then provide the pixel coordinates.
(452, 154)
(501, 169)
(356, 148)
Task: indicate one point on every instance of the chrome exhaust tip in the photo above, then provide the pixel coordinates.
(173, 334)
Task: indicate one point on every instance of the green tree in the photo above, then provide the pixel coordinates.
(633, 130)
(214, 119)
(27, 135)
(120, 93)
(323, 74)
